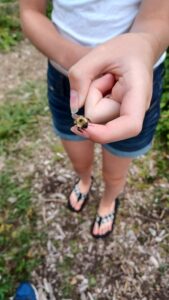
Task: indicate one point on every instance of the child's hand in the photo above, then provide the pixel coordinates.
(129, 59)
(100, 107)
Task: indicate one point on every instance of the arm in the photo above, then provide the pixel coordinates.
(44, 35)
(130, 59)
(152, 22)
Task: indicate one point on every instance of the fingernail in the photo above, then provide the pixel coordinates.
(81, 133)
(74, 102)
(73, 129)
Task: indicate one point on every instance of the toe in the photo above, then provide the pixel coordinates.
(73, 200)
(110, 225)
(106, 229)
(95, 229)
(101, 230)
(77, 205)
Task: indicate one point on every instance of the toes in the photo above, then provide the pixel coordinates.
(104, 228)
(73, 200)
(96, 229)
(77, 205)
(110, 225)
(101, 231)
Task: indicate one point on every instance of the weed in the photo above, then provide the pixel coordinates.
(18, 234)
(10, 32)
(92, 280)
(74, 247)
(20, 115)
(163, 126)
(10, 28)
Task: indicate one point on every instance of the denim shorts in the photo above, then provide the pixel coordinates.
(59, 103)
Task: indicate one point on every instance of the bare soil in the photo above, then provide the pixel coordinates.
(24, 63)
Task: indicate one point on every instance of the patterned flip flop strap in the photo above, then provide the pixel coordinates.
(80, 196)
(102, 220)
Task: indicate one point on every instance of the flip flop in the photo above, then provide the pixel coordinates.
(81, 197)
(102, 220)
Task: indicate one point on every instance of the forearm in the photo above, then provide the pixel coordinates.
(152, 22)
(44, 35)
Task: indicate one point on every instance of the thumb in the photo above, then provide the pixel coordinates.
(79, 86)
(81, 75)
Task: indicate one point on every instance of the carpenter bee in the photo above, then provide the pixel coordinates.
(81, 122)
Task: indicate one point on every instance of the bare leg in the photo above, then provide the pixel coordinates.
(81, 156)
(114, 175)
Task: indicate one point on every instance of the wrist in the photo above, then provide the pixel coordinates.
(151, 46)
(72, 54)
(155, 32)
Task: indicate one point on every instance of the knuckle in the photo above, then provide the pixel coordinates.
(137, 128)
(74, 73)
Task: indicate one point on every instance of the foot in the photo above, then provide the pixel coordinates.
(79, 195)
(26, 291)
(105, 219)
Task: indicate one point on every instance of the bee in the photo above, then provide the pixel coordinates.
(81, 122)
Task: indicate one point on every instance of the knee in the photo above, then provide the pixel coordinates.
(113, 179)
(82, 167)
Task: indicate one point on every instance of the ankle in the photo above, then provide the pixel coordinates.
(85, 177)
(106, 203)
(112, 192)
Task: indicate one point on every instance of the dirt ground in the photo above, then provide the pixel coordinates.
(25, 63)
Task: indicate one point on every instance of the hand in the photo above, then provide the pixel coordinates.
(100, 107)
(129, 59)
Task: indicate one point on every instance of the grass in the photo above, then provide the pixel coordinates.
(20, 242)
(20, 115)
(163, 126)
(18, 234)
(162, 134)
(10, 29)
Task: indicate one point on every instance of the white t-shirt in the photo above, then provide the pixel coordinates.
(92, 22)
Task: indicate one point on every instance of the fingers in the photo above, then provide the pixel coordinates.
(97, 107)
(103, 84)
(120, 128)
(94, 132)
(132, 89)
(82, 74)
(136, 97)
(102, 111)
(127, 125)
